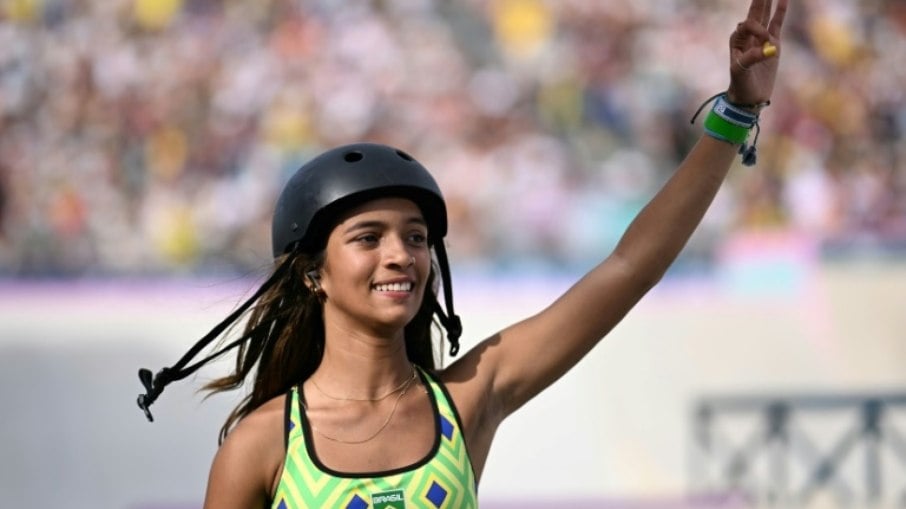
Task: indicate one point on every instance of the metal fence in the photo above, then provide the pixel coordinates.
(802, 450)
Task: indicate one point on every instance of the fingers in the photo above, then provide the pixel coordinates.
(766, 13)
(752, 43)
(745, 30)
(757, 39)
(752, 56)
(777, 21)
(760, 11)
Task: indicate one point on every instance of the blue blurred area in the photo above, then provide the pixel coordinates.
(151, 137)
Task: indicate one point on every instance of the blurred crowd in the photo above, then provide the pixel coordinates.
(152, 136)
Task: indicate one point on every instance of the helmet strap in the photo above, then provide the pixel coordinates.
(450, 320)
(154, 385)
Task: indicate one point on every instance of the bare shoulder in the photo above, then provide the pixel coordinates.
(247, 463)
(264, 420)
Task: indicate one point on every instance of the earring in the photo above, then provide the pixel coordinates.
(315, 285)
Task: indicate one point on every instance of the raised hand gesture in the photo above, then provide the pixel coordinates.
(754, 48)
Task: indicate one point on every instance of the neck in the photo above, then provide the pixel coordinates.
(359, 366)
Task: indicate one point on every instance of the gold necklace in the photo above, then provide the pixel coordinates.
(404, 387)
(378, 398)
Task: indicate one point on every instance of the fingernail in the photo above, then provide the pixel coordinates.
(769, 49)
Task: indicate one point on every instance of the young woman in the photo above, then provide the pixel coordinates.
(348, 408)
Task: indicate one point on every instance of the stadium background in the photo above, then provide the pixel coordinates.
(142, 143)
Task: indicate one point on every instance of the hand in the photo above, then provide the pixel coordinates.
(753, 67)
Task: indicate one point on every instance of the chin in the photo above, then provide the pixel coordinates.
(395, 323)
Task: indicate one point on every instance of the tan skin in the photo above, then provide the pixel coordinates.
(385, 241)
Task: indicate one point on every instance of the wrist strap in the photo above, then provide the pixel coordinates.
(717, 126)
(731, 123)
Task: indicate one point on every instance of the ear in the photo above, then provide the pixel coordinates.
(312, 281)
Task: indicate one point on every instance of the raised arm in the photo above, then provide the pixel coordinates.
(523, 359)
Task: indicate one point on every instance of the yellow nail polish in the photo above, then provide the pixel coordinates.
(769, 49)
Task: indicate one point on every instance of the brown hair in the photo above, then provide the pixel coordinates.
(285, 338)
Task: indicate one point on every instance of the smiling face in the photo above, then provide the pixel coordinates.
(376, 267)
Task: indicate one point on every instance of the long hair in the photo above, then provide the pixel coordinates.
(285, 332)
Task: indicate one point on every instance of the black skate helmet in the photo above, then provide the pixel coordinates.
(344, 177)
(306, 211)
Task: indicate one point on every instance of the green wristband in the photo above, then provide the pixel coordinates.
(731, 123)
(722, 129)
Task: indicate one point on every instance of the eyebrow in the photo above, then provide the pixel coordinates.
(361, 225)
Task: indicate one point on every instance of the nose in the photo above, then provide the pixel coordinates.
(398, 253)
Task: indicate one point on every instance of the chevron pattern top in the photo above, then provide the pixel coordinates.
(442, 480)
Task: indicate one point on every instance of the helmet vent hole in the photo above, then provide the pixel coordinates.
(404, 155)
(353, 157)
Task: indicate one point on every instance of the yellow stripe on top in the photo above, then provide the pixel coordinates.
(445, 480)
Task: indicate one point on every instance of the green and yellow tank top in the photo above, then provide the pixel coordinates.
(443, 479)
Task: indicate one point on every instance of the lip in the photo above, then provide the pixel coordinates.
(394, 281)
